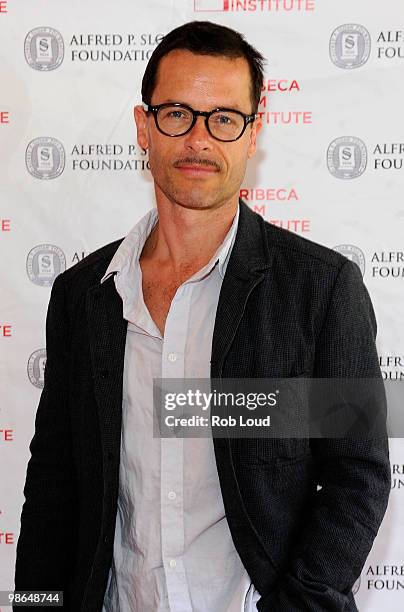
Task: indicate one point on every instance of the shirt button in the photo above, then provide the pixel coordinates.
(173, 563)
(172, 356)
(172, 495)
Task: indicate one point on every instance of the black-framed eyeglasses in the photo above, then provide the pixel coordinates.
(176, 119)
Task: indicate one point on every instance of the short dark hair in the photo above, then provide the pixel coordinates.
(206, 38)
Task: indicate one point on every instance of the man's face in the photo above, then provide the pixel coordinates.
(203, 82)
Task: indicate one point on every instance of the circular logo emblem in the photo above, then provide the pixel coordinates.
(353, 253)
(36, 368)
(347, 157)
(356, 586)
(45, 158)
(44, 49)
(44, 263)
(350, 46)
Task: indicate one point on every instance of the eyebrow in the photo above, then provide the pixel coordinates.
(234, 107)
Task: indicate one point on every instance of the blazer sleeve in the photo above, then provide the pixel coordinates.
(46, 544)
(354, 474)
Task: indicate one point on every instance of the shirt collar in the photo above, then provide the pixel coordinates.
(227, 244)
(131, 247)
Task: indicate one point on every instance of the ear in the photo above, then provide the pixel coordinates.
(141, 126)
(255, 130)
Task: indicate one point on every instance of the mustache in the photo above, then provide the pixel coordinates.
(194, 161)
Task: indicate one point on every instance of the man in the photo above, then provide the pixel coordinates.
(201, 287)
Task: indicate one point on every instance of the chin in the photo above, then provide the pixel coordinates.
(194, 204)
(195, 199)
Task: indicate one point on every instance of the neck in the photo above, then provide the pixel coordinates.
(187, 238)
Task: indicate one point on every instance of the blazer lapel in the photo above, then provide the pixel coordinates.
(107, 332)
(249, 259)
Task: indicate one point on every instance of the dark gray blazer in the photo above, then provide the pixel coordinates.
(287, 306)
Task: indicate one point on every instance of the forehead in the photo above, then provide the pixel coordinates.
(206, 80)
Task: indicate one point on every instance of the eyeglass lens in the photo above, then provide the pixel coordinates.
(176, 120)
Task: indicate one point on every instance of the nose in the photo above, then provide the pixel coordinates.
(198, 139)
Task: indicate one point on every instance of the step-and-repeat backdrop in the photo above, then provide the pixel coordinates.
(72, 178)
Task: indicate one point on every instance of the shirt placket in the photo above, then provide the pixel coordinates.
(172, 459)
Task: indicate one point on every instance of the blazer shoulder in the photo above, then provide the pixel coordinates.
(299, 248)
(91, 268)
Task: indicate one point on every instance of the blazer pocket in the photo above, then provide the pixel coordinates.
(305, 374)
(269, 451)
(293, 472)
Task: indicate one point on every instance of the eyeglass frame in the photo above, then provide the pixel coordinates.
(195, 114)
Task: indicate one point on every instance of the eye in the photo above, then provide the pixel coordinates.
(175, 114)
(223, 119)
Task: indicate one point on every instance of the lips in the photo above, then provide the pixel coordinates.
(196, 169)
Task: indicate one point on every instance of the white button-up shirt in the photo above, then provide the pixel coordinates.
(173, 550)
